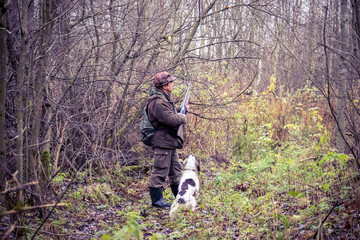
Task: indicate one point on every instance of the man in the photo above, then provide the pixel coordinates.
(163, 116)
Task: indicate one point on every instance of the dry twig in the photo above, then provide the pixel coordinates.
(30, 208)
(6, 235)
(14, 189)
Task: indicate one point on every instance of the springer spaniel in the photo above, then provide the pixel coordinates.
(188, 187)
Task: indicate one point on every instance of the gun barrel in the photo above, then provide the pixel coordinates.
(186, 100)
(180, 131)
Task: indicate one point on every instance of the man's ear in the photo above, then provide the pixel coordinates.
(185, 162)
(163, 86)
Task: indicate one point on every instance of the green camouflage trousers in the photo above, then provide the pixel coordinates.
(166, 163)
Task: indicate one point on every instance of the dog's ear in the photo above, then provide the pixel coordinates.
(197, 164)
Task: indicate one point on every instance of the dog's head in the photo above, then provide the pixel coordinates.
(192, 163)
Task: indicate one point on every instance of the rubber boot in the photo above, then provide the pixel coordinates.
(157, 199)
(174, 189)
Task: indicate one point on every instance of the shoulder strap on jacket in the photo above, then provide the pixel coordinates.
(147, 105)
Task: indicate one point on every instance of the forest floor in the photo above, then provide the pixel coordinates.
(261, 200)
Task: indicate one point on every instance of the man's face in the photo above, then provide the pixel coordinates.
(169, 87)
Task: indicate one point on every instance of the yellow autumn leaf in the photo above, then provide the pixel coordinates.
(272, 83)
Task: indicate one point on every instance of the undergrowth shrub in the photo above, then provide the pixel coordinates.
(285, 156)
(131, 230)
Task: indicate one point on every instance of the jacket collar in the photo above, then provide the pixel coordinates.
(158, 92)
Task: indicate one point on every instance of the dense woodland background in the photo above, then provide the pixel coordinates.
(274, 117)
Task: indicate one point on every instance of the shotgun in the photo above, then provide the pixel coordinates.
(180, 131)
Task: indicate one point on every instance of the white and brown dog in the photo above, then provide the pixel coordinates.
(188, 187)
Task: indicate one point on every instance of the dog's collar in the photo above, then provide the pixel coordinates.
(190, 170)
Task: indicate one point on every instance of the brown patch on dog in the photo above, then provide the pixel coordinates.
(185, 186)
(181, 201)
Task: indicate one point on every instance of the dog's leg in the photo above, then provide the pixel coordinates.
(192, 203)
(174, 209)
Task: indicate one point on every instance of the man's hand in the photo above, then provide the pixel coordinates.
(183, 115)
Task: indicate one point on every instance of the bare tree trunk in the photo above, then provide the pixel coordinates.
(20, 93)
(278, 35)
(297, 8)
(340, 110)
(61, 124)
(115, 49)
(40, 161)
(20, 106)
(3, 75)
(313, 36)
(218, 47)
(356, 23)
